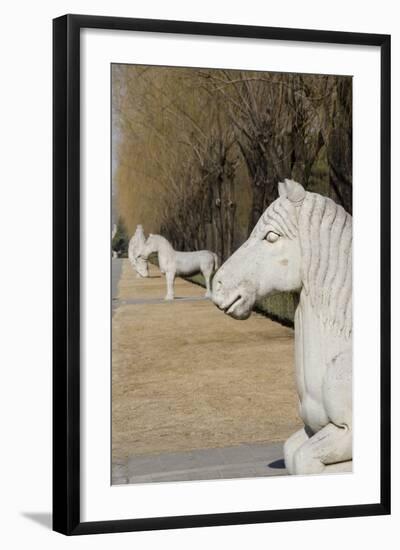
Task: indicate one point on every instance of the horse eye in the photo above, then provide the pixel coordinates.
(272, 237)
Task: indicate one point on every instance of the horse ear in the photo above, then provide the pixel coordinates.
(282, 189)
(295, 192)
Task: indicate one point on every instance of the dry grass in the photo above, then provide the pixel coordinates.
(185, 376)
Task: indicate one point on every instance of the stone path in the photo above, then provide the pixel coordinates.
(116, 268)
(159, 300)
(258, 460)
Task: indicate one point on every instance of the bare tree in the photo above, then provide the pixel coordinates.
(187, 134)
(282, 121)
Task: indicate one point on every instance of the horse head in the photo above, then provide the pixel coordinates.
(268, 262)
(141, 267)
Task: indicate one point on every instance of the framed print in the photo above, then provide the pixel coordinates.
(220, 354)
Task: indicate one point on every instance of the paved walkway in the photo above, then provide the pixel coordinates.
(258, 460)
(116, 268)
(159, 300)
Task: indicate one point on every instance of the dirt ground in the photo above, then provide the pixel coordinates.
(185, 376)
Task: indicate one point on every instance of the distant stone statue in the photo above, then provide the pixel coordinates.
(303, 242)
(134, 249)
(113, 233)
(174, 263)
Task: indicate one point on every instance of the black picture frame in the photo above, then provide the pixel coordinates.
(66, 273)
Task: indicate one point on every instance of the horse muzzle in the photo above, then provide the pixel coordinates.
(235, 302)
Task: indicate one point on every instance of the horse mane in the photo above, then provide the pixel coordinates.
(324, 229)
(326, 238)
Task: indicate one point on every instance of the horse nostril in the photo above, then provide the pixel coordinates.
(218, 285)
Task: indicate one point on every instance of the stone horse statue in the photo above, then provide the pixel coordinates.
(303, 242)
(174, 263)
(135, 246)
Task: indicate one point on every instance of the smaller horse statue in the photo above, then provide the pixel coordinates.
(135, 246)
(303, 242)
(174, 263)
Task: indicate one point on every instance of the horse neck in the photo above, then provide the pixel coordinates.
(164, 248)
(315, 339)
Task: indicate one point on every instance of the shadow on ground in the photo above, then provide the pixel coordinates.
(277, 464)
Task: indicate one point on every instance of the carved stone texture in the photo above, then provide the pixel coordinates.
(303, 242)
(174, 263)
(136, 243)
